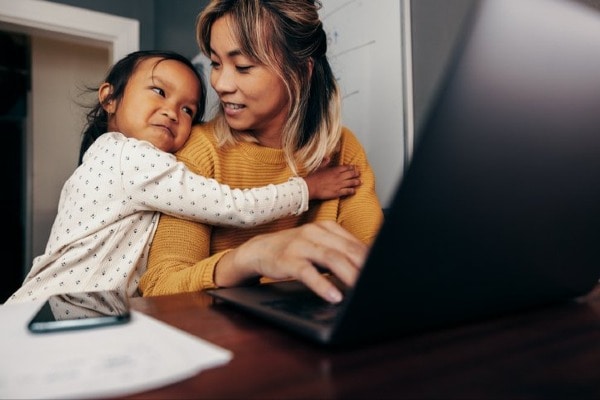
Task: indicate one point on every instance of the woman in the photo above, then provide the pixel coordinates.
(279, 114)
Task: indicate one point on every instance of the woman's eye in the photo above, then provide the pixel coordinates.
(158, 90)
(214, 64)
(243, 68)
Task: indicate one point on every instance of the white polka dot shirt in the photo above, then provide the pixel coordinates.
(109, 208)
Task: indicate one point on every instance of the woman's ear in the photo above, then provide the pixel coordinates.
(103, 93)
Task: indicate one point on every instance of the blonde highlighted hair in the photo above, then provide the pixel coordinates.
(286, 36)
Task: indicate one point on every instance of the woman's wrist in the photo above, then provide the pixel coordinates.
(231, 272)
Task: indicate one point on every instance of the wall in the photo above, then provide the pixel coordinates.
(164, 24)
(176, 27)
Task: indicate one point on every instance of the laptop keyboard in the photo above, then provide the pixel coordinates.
(309, 307)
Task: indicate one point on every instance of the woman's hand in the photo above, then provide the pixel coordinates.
(295, 254)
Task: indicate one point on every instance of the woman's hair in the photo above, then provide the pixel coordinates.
(117, 77)
(286, 36)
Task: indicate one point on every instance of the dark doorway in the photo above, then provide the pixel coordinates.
(15, 83)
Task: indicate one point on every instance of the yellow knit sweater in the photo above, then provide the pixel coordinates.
(183, 254)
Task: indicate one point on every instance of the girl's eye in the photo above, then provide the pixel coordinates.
(189, 111)
(159, 91)
(214, 64)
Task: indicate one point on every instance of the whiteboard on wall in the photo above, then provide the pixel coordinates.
(369, 52)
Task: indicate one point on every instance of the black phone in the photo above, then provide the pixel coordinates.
(81, 310)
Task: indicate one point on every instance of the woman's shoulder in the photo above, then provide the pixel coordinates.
(349, 141)
(203, 134)
(204, 129)
(200, 150)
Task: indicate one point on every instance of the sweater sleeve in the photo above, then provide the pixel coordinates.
(179, 258)
(361, 213)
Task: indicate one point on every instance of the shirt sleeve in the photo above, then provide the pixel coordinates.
(158, 182)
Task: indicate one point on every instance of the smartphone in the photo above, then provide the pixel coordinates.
(81, 310)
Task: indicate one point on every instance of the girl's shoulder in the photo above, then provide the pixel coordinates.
(109, 138)
(118, 139)
(130, 145)
(105, 142)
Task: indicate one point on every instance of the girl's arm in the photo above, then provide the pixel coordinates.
(158, 182)
(161, 183)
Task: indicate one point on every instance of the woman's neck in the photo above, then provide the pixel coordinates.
(270, 133)
(269, 137)
(273, 141)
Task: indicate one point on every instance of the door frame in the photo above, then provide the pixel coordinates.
(119, 35)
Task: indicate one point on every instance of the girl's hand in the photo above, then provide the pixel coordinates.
(332, 182)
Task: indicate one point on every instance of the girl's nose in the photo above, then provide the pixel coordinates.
(169, 111)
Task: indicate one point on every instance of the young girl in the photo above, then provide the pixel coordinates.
(109, 207)
(279, 115)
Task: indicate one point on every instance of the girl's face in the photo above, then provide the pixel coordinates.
(253, 97)
(158, 104)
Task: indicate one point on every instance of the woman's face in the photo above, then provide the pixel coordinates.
(253, 97)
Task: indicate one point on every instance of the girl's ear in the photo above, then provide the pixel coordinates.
(103, 93)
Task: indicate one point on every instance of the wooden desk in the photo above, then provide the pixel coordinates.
(547, 353)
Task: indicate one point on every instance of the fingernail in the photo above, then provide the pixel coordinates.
(335, 296)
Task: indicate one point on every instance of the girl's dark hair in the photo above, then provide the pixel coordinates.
(117, 77)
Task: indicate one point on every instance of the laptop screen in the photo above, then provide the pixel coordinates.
(500, 207)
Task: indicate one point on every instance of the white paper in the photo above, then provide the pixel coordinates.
(111, 361)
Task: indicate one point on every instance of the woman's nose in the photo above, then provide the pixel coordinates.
(222, 81)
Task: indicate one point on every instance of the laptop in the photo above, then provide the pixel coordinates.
(499, 210)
